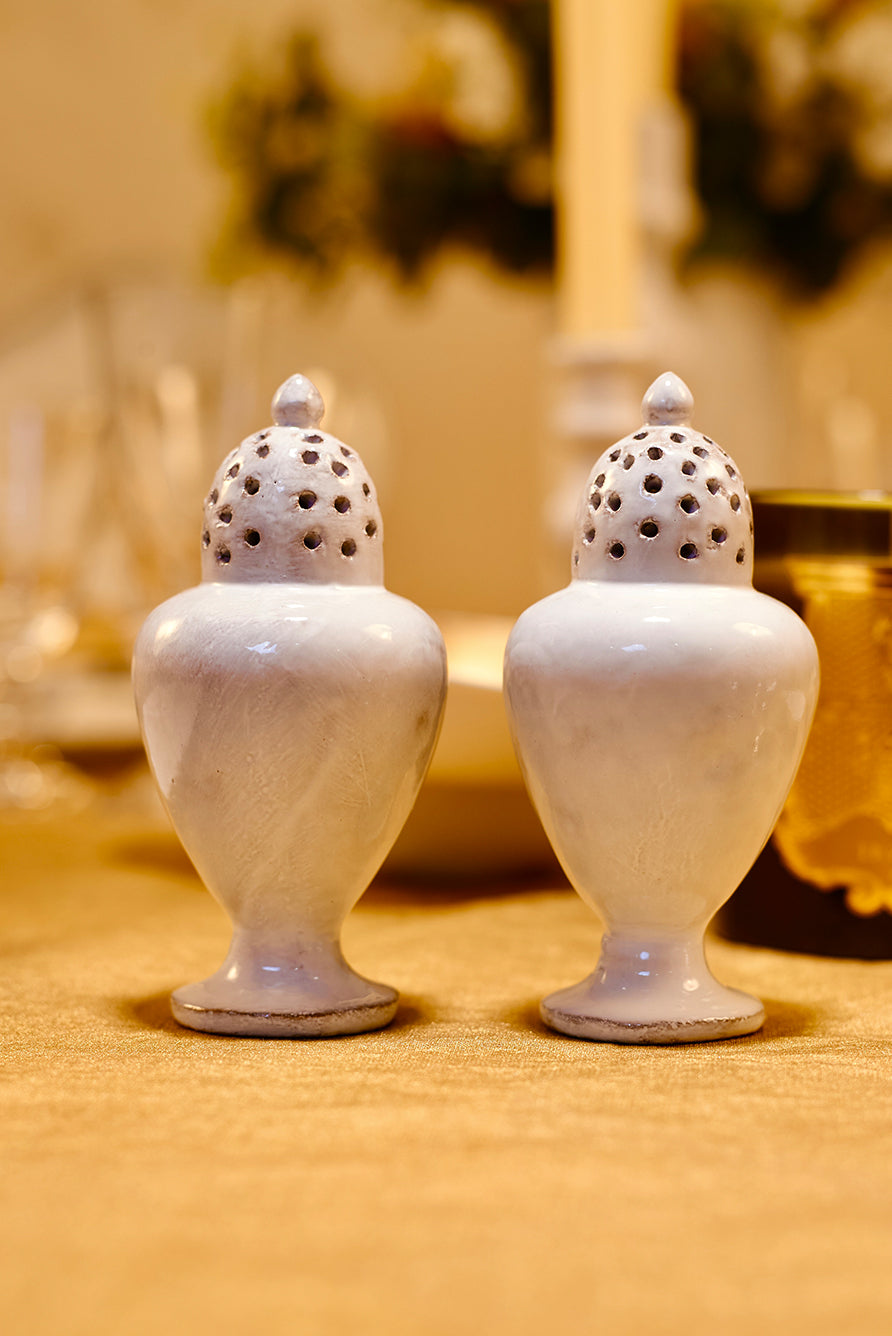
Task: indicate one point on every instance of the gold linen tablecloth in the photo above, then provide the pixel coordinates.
(463, 1171)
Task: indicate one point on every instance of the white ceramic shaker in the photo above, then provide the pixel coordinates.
(659, 707)
(289, 705)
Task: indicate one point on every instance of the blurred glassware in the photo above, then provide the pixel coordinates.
(113, 402)
(34, 628)
(824, 883)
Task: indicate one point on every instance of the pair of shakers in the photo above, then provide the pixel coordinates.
(290, 706)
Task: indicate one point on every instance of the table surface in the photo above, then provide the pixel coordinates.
(465, 1170)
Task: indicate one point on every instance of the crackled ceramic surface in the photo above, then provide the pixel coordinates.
(289, 706)
(659, 707)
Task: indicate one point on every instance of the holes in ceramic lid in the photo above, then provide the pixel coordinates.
(617, 551)
(653, 483)
(628, 462)
(639, 436)
(741, 556)
(734, 501)
(654, 452)
(345, 452)
(262, 451)
(614, 455)
(214, 497)
(688, 552)
(341, 504)
(233, 472)
(205, 539)
(600, 480)
(252, 486)
(718, 534)
(339, 468)
(312, 540)
(252, 537)
(306, 500)
(588, 537)
(677, 437)
(313, 439)
(689, 468)
(731, 471)
(649, 529)
(713, 485)
(371, 528)
(689, 504)
(224, 515)
(223, 555)
(699, 450)
(365, 489)
(614, 501)
(595, 500)
(310, 457)
(348, 547)
(709, 440)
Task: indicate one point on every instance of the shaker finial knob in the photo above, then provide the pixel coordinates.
(668, 402)
(297, 403)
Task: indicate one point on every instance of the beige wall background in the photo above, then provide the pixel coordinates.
(108, 178)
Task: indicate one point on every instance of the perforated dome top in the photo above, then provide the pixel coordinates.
(665, 503)
(293, 503)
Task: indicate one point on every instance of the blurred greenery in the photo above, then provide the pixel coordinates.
(319, 177)
(792, 140)
(782, 128)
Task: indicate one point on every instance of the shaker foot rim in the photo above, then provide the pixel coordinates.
(348, 1018)
(683, 1031)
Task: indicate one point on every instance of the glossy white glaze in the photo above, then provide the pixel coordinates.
(289, 725)
(659, 723)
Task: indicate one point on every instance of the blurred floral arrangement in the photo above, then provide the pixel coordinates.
(790, 103)
(791, 106)
(461, 155)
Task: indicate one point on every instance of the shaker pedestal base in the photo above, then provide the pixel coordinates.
(658, 991)
(204, 1006)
